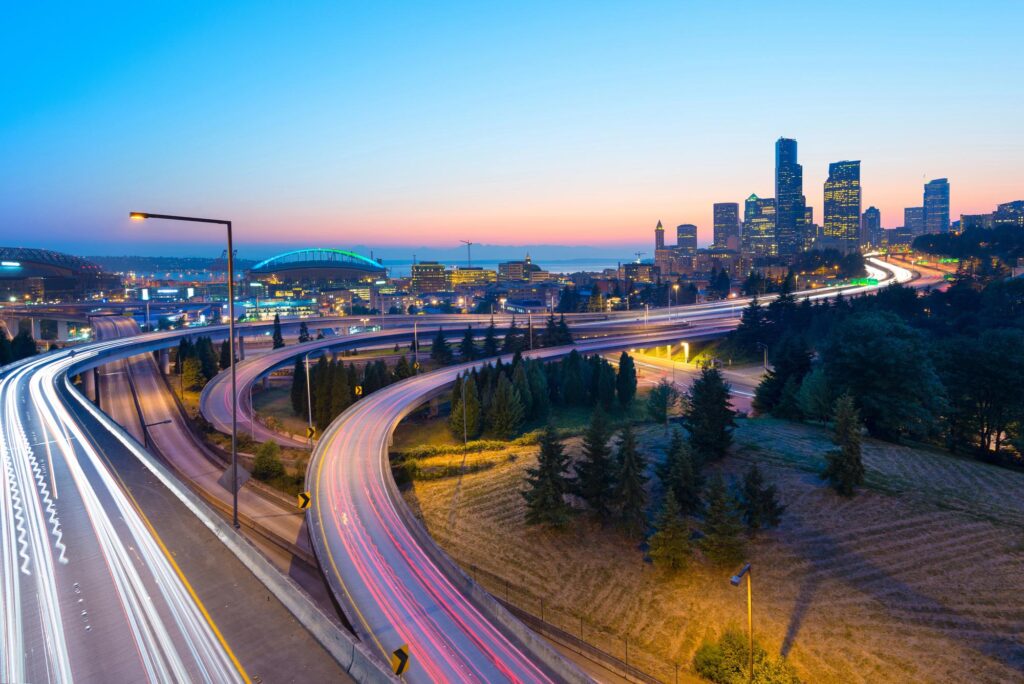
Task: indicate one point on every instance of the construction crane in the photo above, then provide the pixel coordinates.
(469, 254)
(638, 255)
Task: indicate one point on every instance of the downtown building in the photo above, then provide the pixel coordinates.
(841, 228)
(727, 226)
(758, 238)
(913, 221)
(871, 227)
(789, 198)
(936, 206)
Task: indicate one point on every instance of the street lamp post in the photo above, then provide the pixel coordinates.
(735, 580)
(675, 298)
(139, 216)
(764, 347)
(309, 399)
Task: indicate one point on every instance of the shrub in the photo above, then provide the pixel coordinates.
(726, 662)
(267, 464)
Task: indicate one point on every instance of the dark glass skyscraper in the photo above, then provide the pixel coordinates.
(727, 225)
(759, 227)
(913, 221)
(789, 198)
(842, 206)
(871, 227)
(936, 206)
(686, 239)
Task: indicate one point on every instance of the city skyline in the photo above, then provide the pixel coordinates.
(419, 144)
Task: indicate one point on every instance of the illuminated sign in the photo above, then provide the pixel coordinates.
(10, 264)
(145, 294)
(191, 292)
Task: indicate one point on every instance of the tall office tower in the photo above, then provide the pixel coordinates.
(686, 239)
(759, 227)
(913, 221)
(871, 227)
(659, 236)
(810, 229)
(727, 225)
(842, 206)
(789, 198)
(936, 206)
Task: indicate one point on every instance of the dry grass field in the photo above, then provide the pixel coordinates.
(916, 579)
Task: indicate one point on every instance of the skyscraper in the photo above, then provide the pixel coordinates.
(686, 239)
(842, 206)
(871, 227)
(936, 206)
(659, 236)
(913, 221)
(759, 227)
(789, 197)
(727, 225)
(1009, 214)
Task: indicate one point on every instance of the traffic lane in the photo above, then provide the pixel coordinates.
(252, 621)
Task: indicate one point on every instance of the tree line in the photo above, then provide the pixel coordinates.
(22, 346)
(199, 361)
(946, 367)
(611, 482)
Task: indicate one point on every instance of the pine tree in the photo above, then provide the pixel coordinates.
(521, 382)
(341, 393)
(511, 343)
(304, 335)
(403, 369)
(574, 392)
(490, 341)
(548, 483)
(439, 349)
(844, 468)
(678, 474)
(630, 495)
(788, 407)
(760, 502)
(225, 355)
(300, 400)
(605, 385)
(709, 416)
(192, 377)
(6, 356)
(209, 360)
(278, 337)
(669, 546)
(506, 413)
(814, 397)
(185, 350)
(550, 337)
(563, 332)
(540, 400)
(322, 394)
(464, 420)
(467, 348)
(625, 382)
(595, 472)
(722, 542)
(660, 401)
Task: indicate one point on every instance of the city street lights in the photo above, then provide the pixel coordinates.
(735, 580)
(140, 216)
(764, 347)
(675, 298)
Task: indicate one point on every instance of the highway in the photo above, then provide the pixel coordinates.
(383, 566)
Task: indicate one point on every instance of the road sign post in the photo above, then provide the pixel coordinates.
(304, 500)
(400, 659)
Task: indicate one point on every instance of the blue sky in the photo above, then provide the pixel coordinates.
(385, 124)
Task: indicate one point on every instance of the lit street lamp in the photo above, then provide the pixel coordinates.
(735, 580)
(139, 216)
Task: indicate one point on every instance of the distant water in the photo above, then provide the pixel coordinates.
(401, 269)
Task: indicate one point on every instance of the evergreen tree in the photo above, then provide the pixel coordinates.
(464, 420)
(467, 348)
(679, 475)
(209, 360)
(352, 379)
(551, 336)
(490, 341)
(23, 346)
(304, 335)
(563, 332)
(844, 468)
(6, 355)
(548, 483)
(574, 392)
(225, 355)
(752, 329)
(192, 377)
(267, 463)
(512, 342)
(300, 400)
(439, 349)
(341, 393)
(788, 407)
(185, 350)
(595, 472)
(521, 383)
(506, 409)
(539, 394)
(813, 397)
(709, 416)
(759, 502)
(669, 546)
(722, 542)
(278, 337)
(660, 401)
(630, 495)
(625, 382)
(403, 369)
(322, 394)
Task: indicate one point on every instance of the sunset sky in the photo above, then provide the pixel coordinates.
(408, 124)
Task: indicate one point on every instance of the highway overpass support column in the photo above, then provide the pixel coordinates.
(241, 347)
(62, 331)
(89, 384)
(165, 361)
